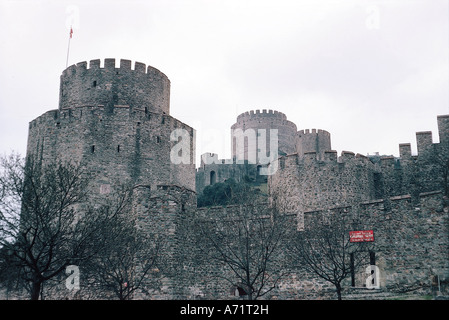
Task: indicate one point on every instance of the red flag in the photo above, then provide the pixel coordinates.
(71, 31)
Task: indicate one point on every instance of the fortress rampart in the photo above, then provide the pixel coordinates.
(116, 145)
(410, 238)
(318, 141)
(257, 114)
(307, 182)
(316, 177)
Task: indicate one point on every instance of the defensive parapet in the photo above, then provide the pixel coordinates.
(249, 115)
(115, 146)
(405, 150)
(424, 140)
(308, 182)
(443, 128)
(314, 140)
(143, 87)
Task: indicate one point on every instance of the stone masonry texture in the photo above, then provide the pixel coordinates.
(115, 122)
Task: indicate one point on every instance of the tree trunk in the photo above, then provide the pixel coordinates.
(338, 291)
(35, 290)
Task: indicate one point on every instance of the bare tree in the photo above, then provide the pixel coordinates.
(129, 259)
(41, 230)
(246, 240)
(323, 248)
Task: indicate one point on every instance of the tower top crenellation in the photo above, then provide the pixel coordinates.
(91, 84)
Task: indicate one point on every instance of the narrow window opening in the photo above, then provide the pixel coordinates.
(213, 177)
(92, 149)
(158, 139)
(118, 148)
(94, 84)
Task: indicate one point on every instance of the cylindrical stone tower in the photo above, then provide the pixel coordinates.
(141, 87)
(115, 122)
(252, 129)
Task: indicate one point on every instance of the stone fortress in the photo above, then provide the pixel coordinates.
(116, 122)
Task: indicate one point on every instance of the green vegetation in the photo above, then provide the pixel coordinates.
(231, 192)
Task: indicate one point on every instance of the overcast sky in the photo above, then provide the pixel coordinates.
(372, 73)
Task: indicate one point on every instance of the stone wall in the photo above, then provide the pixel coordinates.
(115, 122)
(411, 246)
(125, 145)
(318, 141)
(213, 170)
(141, 87)
(414, 174)
(314, 181)
(247, 142)
(303, 184)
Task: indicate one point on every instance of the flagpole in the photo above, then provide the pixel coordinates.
(68, 48)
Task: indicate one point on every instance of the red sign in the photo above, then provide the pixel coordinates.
(361, 236)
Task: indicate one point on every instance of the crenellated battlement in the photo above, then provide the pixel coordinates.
(424, 139)
(443, 128)
(263, 120)
(250, 115)
(315, 181)
(313, 140)
(88, 115)
(110, 64)
(144, 86)
(330, 158)
(405, 150)
(313, 131)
